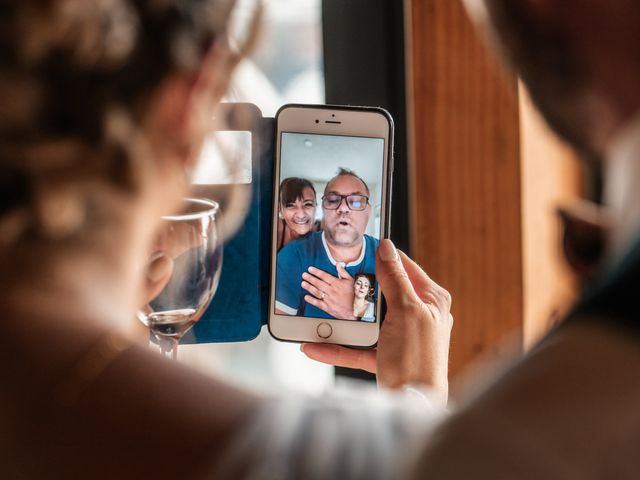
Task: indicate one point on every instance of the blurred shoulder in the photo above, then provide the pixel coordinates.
(558, 413)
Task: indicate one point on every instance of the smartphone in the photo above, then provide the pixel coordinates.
(332, 186)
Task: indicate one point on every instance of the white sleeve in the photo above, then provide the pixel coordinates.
(369, 315)
(355, 434)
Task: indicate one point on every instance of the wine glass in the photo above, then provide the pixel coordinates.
(192, 241)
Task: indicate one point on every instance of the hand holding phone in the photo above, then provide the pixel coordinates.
(331, 207)
(413, 348)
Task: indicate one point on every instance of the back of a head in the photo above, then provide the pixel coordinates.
(76, 79)
(568, 54)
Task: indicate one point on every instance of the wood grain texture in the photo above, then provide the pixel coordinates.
(465, 177)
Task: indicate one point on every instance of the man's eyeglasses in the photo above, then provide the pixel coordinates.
(332, 201)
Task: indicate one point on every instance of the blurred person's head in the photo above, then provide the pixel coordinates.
(346, 209)
(105, 106)
(362, 286)
(298, 205)
(580, 60)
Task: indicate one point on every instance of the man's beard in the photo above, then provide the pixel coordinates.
(352, 238)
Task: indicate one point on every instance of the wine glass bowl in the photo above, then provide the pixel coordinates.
(192, 243)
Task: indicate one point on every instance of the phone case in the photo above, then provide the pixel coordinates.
(387, 226)
(239, 308)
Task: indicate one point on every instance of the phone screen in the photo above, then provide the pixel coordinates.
(329, 226)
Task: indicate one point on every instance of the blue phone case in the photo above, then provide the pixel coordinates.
(239, 308)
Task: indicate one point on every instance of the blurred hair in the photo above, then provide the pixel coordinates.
(76, 78)
(543, 57)
(292, 189)
(346, 172)
(529, 45)
(64, 63)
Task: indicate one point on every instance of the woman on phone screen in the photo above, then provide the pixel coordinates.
(297, 211)
(363, 301)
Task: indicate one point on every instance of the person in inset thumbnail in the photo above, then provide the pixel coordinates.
(364, 298)
(297, 210)
(314, 274)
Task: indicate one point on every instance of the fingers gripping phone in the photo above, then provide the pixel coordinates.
(332, 184)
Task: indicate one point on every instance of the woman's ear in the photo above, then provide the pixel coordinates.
(586, 231)
(182, 112)
(206, 88)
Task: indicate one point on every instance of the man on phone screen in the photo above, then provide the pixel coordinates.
(314, 275)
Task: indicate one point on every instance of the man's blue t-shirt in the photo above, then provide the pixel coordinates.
(312, 251)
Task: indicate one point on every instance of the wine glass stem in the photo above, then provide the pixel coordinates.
(169, 347)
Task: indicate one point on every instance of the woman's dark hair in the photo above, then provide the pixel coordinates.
(371, 278)
(292, 189)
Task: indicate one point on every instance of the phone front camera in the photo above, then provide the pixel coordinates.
(317, 121)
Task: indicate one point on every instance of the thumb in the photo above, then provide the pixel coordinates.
(392, 276)
(342, 272)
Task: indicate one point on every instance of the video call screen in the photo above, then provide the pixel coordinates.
(329, 226)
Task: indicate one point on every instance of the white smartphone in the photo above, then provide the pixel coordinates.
(332, 192)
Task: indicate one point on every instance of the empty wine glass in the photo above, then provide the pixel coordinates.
(191, 240)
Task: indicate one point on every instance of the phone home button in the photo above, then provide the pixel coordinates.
(324, 330)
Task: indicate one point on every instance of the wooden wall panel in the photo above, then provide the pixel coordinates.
(486, 176)
(465, 176)
(550, 177)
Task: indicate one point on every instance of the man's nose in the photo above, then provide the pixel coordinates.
(343, 207)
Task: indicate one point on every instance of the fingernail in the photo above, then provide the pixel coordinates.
(387, 251)
(302, 347)
(159, 265)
